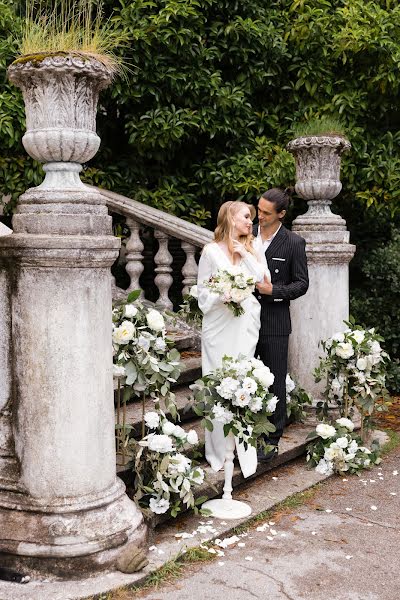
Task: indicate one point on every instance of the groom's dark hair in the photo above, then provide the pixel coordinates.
(279, 198)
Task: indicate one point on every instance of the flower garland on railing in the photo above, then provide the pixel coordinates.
(237, 395)
(355, 369)
(338, 449)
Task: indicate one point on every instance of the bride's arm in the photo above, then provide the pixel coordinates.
(257, 265)
(206, 299)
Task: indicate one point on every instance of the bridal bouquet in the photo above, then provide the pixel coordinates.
(237, 395)
(338, 450)
(233, 286)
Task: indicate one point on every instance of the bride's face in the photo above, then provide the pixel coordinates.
(242, 222)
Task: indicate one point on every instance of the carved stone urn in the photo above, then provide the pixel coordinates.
(321, 312)
(62, 508)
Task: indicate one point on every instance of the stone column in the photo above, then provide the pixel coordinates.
(321, 312)
(68, 512)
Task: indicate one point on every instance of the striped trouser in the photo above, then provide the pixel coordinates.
(273, 351)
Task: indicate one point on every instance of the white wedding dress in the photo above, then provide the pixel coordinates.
(225, 334)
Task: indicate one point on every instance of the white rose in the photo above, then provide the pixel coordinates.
(227, 387)
(343, 422)
(194, 291)
(324, 467)
(152, 420)
(249, 384)
(325, 431)
(342, 442)
(264, 376)
(336, 387)
(362, 364)
(271, 404)
(330, 453)
(256, 362)
(197, 476)
(242, 398)
(375, 347)
(221, 414)
(290, 384)
(143, 342)
(344, 350)
(119, 371)
(179, 432)
(160, 344)
(238, 295)
(124, 333)
(255, 404)
(178, 463)
(160, 443)
(192, 437)
(353, 446)
(168, 427)
(338, 337)
(358, 335)
(159, 505)
(155, 320)
(130, 311)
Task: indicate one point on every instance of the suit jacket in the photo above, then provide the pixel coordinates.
(287, 261)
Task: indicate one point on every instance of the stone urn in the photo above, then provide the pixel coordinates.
(64, 510)
(318, 175)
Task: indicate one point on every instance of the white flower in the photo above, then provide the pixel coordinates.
(336, 387)
(325, 431)
(179, 432)
(168, 427)
(221, 414)
(264, 376)
(155, 320)
(143, 342)
(124, 333)
(375, 347)
(362, 363)
(160, 344)
(290, 384)
(118, 371)
(256, 362)
(358, 335)
(330, 453)
(159, 505)
(249, 384)
(179, 463)
(353, 447)
(367, 462)
(160, 443)
(197, 476)
(342, 442)
(242, 398)
(338, 337)
(365, 450)
(152, 420)
(194, 291)
(343, 422)
(227, 387)
(344, 350)
(130, 310)
(192, 437)
(271, 404)
(255, 404)
(238, 295)
(324, 467)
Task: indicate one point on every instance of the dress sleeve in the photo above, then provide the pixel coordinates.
(206, 299)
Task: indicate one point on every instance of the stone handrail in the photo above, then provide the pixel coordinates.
(166, 226)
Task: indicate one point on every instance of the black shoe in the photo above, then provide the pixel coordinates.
(267, 456)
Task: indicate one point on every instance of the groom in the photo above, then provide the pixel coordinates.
(287, 262)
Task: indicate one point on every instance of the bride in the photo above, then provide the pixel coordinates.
(222, 332)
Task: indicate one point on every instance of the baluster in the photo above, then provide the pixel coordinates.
(189, 269)
(163, 279)
(134, 256)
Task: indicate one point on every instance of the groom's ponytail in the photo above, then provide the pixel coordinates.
(279, 198)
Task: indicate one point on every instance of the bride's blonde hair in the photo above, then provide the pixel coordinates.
(225, 225)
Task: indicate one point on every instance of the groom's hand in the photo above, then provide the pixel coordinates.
(265, 287)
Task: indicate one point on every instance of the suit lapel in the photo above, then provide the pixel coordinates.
(276, 242)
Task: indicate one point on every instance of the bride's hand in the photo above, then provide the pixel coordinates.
(238, 248)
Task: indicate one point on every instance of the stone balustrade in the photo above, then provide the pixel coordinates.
(166, 227)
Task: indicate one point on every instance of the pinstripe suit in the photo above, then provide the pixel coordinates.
(287, 262)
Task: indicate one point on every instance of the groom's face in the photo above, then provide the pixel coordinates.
(267, 215)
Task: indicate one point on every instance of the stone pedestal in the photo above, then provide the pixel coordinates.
(63, 511)
(321, 312)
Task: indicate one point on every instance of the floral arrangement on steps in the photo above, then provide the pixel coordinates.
(338, 449)
(237, 395)
(296, 400)
(355, 370)
(189, 309)
(165, 479)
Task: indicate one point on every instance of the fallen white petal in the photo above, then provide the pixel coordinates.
(274, 478)
(241, 545)
(228, 541)
(372, 480)
(244, 534)
(349, 556)
(373, 507)
(273, 532)
(223, 523)
(161, 552)
(395, 472)
(212, 551)
(269, 537)
(349, 509)
(220, 563)
(248, 558)
(381, 478)
(313, 533)
(220, 553)
(328, 510)
(283, 534)
(184, 535)
(152, 548)
(393, 493)
(271, 523)
(344, 479)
